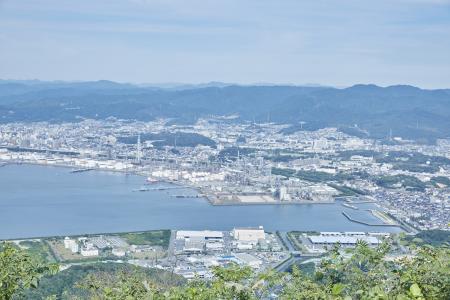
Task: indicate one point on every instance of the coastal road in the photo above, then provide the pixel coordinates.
(287, 242)
(283, 267)
(171, 247)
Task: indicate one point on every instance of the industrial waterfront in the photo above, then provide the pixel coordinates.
(45, 201)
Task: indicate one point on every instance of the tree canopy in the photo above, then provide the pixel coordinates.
(19, 271)
(361, 273)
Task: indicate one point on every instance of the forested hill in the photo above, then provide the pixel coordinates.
(408, 111)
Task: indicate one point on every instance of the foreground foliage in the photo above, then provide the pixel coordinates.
(430, 237)
(19, 270)
(78, 282)
(363, 273)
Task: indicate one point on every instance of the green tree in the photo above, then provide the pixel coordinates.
(427, 276)
(362, 273)
(299, 287)
(229, 283)
(122, 285)
(369, 274)
(19, 271)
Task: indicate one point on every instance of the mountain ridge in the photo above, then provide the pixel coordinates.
(408, 111)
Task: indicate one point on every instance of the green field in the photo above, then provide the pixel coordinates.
(38, 249)
(153, 238)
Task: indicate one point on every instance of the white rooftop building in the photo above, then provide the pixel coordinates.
(248, 259)
(205, 234)
(89, 250)
(249, 234)
(71, 244)
(343, 238)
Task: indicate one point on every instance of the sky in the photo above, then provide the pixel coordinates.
(336, 43)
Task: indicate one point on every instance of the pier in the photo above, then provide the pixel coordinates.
(350, 206)
(356, 200)
(186, 196)
(159, 189)
(365, 223)
(82, 170)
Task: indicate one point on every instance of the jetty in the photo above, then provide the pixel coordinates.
(82, 170)
(146, 189)
(366, 223)
(186, 196)
(350, 206)
(382, 216)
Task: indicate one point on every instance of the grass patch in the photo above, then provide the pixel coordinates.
(406, 181)
(38, 249)
(346, 190)
(153, 238)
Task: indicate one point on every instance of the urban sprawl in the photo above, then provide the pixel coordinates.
(193, 254)
(231, 163)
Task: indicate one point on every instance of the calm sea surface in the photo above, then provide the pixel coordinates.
(44, 201)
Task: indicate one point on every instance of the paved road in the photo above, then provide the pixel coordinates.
(286, 264)
(171, 248)
(287, 242)
(294, 260)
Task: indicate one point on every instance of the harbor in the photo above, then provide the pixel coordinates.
(99, 201)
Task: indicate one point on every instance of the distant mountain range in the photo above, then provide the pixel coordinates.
(365, 110)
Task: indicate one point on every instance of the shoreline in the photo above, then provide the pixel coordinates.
(270, 203)
(201, 193)
(148, 226)
(47, 237)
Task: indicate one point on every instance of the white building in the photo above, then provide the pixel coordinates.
(71, 244)
(199, 241)
(249, 260)
(249, 234)
(194, 245)
(89, 250)
(205, 234)
(345, 238)
(214, 246)
(284, 196)
(243, 245)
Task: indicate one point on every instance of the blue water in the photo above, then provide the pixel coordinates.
(40, 201)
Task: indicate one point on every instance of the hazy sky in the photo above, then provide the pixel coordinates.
(330, 42)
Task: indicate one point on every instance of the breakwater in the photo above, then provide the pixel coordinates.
(367, 223)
